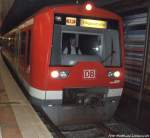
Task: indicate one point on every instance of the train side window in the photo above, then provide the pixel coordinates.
(23, 45)
(29, 46)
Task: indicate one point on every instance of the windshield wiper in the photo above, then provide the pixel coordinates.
(111, 54)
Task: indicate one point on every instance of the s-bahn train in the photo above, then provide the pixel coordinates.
(72, 58)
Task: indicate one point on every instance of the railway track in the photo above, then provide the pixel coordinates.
(86, 131)
(99, 130)
(110, 129)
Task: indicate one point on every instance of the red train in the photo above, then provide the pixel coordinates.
(70, 56)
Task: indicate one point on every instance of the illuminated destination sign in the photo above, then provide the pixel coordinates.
(85, 21)
(93, 23)
(71, 21)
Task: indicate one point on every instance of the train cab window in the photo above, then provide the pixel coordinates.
(23, 45)
(90, 44)
(112, 52)
(77, 44)
(81, 44)
(29, 46)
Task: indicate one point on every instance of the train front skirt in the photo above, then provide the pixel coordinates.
(77, 107)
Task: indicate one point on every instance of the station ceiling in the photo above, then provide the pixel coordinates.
(22, 9)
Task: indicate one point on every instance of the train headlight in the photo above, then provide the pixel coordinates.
(110, 74)
(59, 74)
(88, 6)
(63, 74)
(117, 74)
(55, 74)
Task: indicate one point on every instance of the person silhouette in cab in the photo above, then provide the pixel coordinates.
(69, 45)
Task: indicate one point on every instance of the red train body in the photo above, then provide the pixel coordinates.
(39, 50)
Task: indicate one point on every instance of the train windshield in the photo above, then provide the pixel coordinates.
(90, 47)
(78, 39)
(74, 46)
(82, 44)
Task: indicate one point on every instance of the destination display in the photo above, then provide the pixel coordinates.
(93, 23)
(89, 22)
(71, 21)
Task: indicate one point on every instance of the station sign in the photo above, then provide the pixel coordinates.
(93, 23)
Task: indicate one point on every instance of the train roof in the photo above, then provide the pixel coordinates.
(58, 8)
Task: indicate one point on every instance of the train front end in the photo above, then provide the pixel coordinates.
(86, 65)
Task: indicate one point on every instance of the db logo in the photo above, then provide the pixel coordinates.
(89, 74)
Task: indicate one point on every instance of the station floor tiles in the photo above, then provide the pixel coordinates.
(17, 117)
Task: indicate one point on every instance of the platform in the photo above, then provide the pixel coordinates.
(17, 117)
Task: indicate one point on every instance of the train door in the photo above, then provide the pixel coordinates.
(22, 49)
